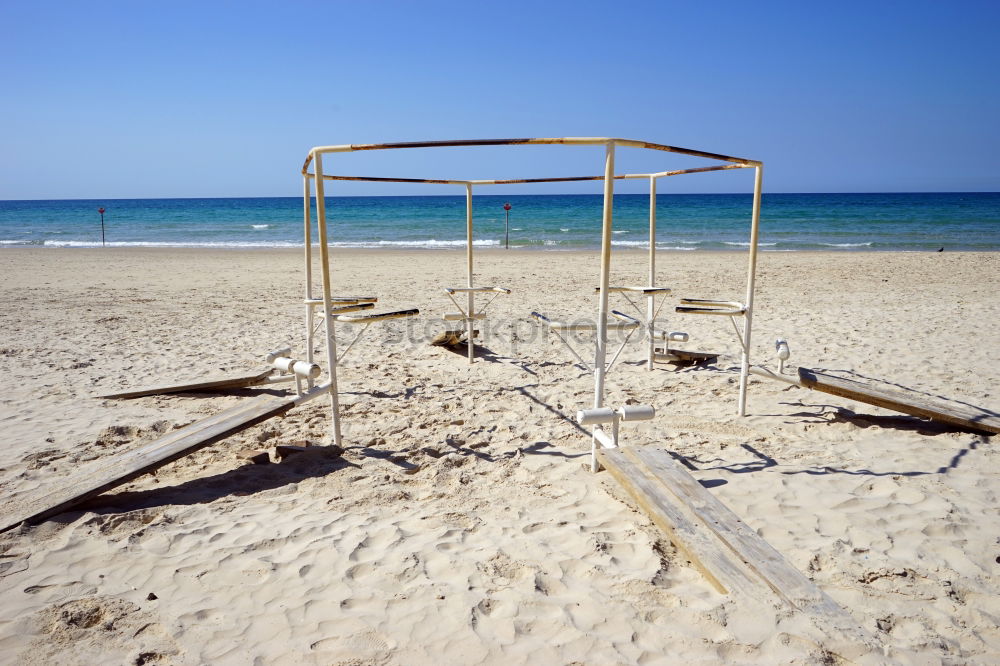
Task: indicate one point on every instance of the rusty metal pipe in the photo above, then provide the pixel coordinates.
(573, 141)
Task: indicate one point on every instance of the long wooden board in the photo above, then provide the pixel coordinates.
(901, 400)
(725, 573)
(786, 581)
(107, 474)
(733, 557)
(205, 384)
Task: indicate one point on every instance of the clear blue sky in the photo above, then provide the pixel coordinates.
(176, 99)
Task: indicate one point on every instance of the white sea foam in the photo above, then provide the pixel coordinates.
(748, 244)
(623, 231)
(15, 242)
(563, 229)
(260, 226)
(516, 229)
(847, 244)
(221, 244)
(416, 243)
(659, 246)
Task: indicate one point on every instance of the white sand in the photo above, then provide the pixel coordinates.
(460, 526)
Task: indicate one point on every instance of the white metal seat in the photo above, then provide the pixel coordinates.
(648, 317)
(669, 336)
(343, 309)
(367, 320)
(710, 307)
(470, 314)
(456, 290)
(638, 290)
(624, 323)
(731, 309)
(342, 300)
(370, 318)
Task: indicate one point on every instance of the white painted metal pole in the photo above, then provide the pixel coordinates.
(601, 343)
(307, 221)
(331, 336)
(471, 311)
(751, 279)
(651, 299)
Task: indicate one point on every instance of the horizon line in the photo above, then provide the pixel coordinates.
(554, 194)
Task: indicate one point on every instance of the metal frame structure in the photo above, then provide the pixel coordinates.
(319, 178)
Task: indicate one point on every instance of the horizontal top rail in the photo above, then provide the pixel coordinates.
(517, 181)
(571, 141)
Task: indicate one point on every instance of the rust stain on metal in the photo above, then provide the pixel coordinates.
(721, 167)
(379, 179)
(439, 144)
(689, 151)
(557, 179)
(564, 179)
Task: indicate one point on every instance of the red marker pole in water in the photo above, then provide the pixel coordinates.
(101, 211)
(506, 227)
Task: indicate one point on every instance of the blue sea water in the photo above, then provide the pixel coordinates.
(690, 222)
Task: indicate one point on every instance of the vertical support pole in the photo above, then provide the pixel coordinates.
(331, 336)
(471, 310)
(601, 344)
(751, 279)
(310, 320)
(651, 299)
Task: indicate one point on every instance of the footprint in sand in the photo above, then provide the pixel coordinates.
(362, 647)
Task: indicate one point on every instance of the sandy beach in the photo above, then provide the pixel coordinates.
(459, 525)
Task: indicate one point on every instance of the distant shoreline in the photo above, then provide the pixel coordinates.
(494, 196)
(454, 251)
(684, 222)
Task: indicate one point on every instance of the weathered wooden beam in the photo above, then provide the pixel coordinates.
(732, 556)
(104, 475)
(901, 400)
(720, 568)
(212, 383)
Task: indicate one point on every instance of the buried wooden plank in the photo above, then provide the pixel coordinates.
(901, 400)
(205, 384)
(671, 355)
(451, 338)
(734, 558)
(787, 582)
(104, 475)
(720, 568)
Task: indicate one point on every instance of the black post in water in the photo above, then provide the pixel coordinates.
(101, 211)
(506, 227)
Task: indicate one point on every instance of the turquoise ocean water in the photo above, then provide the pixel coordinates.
(689, 222)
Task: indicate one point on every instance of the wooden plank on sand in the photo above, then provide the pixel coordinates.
(766, 563)
(205, 384)
(719, 567)
(732, 556)
(451, 338)
(901, 400)
(672, 355)
(107, 474)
